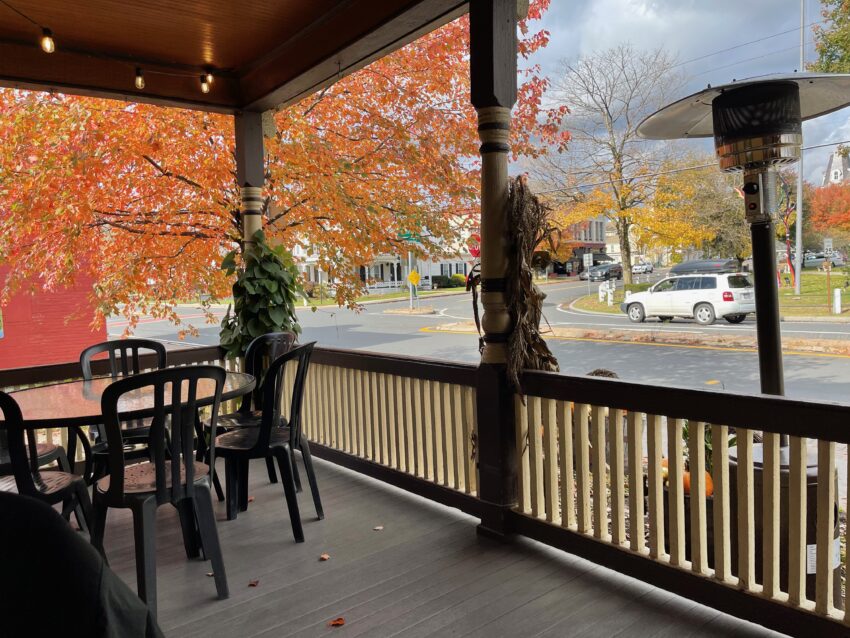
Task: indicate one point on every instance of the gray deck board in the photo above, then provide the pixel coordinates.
(426, 574)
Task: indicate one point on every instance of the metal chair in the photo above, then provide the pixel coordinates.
(275, 437)
(124, 360)
(50, 486)
(171, 476)
(260, 353)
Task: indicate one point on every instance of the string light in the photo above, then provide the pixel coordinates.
(47, 44)
(205, 85)
(140, 79)
(209, 77)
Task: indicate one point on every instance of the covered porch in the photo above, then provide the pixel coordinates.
(574, 465)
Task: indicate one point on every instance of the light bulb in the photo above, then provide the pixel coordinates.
(209, 77)
(140, 79)
(47, 44)
(205, 85)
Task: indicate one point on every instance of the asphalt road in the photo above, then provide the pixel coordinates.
(819, 376)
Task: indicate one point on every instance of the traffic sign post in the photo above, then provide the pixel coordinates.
(587, 262)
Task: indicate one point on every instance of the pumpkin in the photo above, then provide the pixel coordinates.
(709, 484)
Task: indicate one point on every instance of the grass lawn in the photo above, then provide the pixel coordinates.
(815, 299)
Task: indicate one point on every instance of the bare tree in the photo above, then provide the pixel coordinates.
(609, 93)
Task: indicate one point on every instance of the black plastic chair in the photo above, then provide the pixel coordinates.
(124, 360)
(274, 438)
(28, 479)
(260, 353)
(172, 476)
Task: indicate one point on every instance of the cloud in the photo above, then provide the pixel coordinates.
(713, 40)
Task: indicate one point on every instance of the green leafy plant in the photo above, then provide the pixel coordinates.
(264, 295)
(458, 281)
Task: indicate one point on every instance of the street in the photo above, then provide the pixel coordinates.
(821, 376)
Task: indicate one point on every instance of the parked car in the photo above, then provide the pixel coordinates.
(701, 297)
(817, 260)
(604, 272)
(642, 268)
(705, 266)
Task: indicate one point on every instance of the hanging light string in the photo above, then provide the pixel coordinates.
(46, 42)
(49, 46)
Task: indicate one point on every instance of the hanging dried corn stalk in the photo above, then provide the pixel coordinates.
(529, 228)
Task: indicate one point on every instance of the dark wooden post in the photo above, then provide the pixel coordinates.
(250, 171)
(493, 67)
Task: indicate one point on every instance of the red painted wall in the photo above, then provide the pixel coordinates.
(47, 327)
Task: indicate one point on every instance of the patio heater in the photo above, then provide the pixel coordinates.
(757, 126)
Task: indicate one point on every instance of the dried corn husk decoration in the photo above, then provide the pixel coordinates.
(528, 229)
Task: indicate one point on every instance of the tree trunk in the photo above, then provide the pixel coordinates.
(625, 250)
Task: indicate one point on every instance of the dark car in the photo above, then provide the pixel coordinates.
(705, 266)
(604, 272)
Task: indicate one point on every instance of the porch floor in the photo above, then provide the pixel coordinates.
(426, 573)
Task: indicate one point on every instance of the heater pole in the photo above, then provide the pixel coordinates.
(798, 224)
(758, 198)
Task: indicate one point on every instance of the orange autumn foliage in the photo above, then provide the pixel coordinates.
(144, 199)
(831, 207)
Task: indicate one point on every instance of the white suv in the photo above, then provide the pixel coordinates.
(702, 297)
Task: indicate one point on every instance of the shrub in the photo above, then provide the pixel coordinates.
(458, 281)
(440, 281)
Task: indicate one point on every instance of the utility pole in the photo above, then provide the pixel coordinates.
(798, 259)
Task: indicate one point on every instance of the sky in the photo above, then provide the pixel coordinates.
(701, 35)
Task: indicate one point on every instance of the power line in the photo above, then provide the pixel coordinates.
(755, 57)
(738, 46)
(672, 170)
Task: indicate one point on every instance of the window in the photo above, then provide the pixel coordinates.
(688, 283)
(708, 283)
(664, 286)
(445, 270)
(739, 281)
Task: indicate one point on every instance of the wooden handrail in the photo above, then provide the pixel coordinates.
(398, 365)
(813, 419)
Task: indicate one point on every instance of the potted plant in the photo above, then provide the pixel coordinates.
(264, 295)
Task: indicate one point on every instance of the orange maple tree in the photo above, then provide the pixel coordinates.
(831, 207)
(144, 197)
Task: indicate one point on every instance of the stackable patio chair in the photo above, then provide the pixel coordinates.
(275, 437)
(124, 360)
(260, 353)
(30, 479)
(173, 475)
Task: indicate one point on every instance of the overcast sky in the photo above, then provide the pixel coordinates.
(700, 29)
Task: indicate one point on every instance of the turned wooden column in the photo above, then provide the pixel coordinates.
(493, 67)
(250, 172)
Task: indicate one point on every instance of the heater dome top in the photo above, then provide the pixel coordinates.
(820, 93)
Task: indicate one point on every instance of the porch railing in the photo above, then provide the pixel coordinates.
(602, 473)
(605, 460)
(410, 415)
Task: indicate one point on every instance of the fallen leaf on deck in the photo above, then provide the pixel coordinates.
(378, 528)
(337, 622)
(324, 557)
(253, 583)
(250, 499)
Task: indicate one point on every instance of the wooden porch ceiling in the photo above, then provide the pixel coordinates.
(262, 53)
